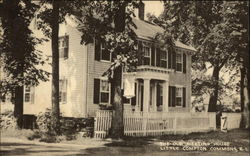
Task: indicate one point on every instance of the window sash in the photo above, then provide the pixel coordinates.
(104, 92)
(105, 54)
(179, 96)
(63, 90)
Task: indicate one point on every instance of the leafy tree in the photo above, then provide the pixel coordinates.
(205, 26)
(108, 22)
(19, 58)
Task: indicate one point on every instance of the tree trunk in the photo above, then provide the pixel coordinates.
(18, 108)
(214, 97)
(244, 87)
(55, 68)
(117, 127)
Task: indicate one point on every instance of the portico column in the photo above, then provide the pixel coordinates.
(165, 96)
(146, 94)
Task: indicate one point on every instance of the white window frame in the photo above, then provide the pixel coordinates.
(101, 50)
(179, 62)
(30, 91)
(101, 91)
(180, 95)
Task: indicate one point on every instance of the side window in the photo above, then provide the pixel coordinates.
(179, 62)
(29, 93)
(63, 44)
(63, 91)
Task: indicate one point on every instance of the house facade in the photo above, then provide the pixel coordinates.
(162, 82)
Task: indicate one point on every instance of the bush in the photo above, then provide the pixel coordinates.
(8, 121)
(70, 128)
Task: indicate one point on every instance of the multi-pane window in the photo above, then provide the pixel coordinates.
(178, 62)
(146, 55)
(178, 96)
(63, 90)
(163, 57)
(27, 95)
(63, 45)
(105, 54)
(104, 91)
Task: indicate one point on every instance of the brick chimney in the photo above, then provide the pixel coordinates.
(141, 10)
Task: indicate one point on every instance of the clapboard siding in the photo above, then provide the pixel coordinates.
(95, 70)
(74, 69)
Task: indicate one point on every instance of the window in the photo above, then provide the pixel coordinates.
(27, 97)
(178, 96)
(163, 58)
(63, 90)
(104, 91)
(63, 45)
(105, 54)
(29, 93)
(146, 55)
(178, 62)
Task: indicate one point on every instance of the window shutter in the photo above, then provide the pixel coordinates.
(173, 96)
(133, 99)
(184, 97)
(153, 55)
(184, 63)
(96, 91)
(170, 96)
(169, 58)
(97, 49)
(158, 57)
(174, 60)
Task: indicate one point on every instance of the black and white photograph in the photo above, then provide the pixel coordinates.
(124, 77)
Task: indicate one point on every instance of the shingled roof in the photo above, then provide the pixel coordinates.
(146, 30)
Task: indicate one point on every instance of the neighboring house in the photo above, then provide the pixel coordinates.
(162, 81)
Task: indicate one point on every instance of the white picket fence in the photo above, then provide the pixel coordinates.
(156, 123)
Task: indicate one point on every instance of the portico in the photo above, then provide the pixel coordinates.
(152, 85)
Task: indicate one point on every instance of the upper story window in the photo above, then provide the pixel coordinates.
(63, 45)
(105, 54)
(104, 91)
(146, 55)
(179, 62)
(163, 58)
(63, 91)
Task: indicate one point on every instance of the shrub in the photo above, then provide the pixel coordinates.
(8, 121)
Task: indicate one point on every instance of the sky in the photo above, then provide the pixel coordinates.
(153, 7)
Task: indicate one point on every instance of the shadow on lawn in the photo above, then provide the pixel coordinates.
(26, 149)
